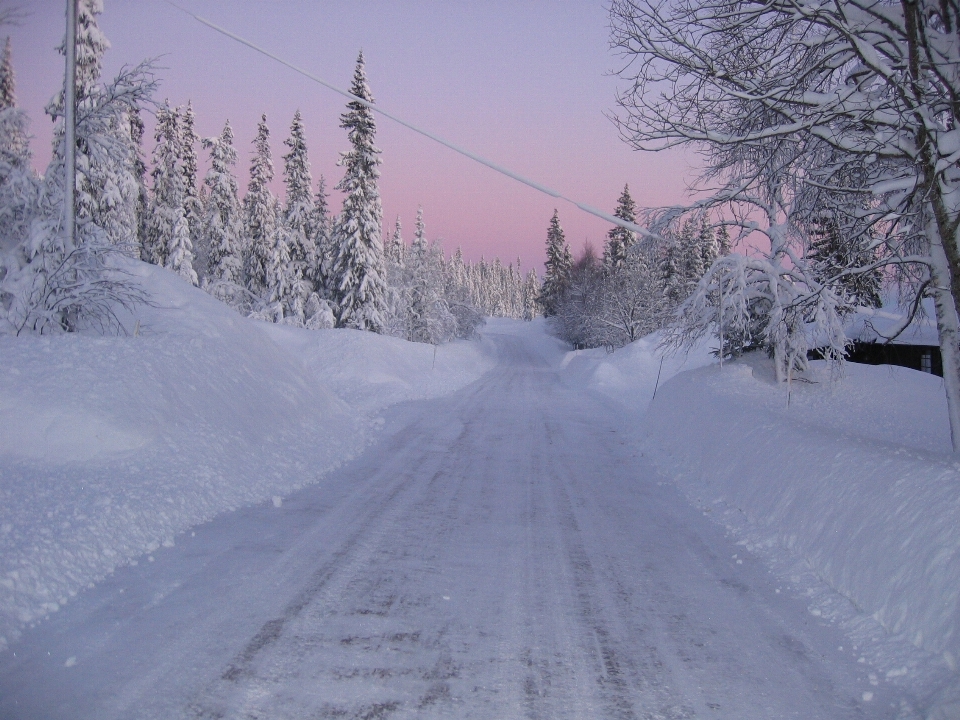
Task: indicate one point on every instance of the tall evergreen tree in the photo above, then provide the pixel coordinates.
(18, 184)
(166, 198)
(260, 215)
(558, 267)
(222, 227)
(192, 203)
(709, 244)
(357, 273)
(723, 242)
(620, 239)
(395, 250)
(319, 234)
(671, 269)
(297, 216)
(283, 292)
(168, 232)
(7, 81)
(691, 247)
(421, 281)
(14, 141)
(831, 254)
(419, 237)
(531, 296)
(142, 204)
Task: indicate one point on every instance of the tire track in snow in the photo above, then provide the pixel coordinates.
(371, 590)
(329, 581)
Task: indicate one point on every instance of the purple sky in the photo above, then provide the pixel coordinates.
(525, 84)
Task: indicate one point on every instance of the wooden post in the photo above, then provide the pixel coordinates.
(721, 322)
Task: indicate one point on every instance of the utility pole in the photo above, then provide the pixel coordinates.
(70, 127)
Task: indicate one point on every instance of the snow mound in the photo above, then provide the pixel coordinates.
(113, 446)
(370, 372)
(853, 480)
(631, 374)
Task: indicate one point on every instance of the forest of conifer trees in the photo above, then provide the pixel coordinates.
(286, 260)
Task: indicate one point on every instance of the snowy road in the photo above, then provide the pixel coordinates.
(504, 552)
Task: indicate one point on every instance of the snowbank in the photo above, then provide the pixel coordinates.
(631, 374)
(854, 480)
(851, 493)
(371, 372)
(112, 446)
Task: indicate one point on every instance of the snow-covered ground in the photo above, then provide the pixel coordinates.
(510, 544)
(112, 446)
(850, 491)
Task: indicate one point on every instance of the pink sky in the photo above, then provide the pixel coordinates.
(525, 84)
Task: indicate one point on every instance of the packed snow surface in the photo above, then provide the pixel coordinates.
(506, 529)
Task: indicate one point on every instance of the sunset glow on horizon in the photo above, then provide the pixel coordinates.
(529, 86)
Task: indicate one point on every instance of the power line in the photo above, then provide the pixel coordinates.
(426, 133)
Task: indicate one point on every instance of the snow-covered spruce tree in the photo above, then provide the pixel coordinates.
(357, 281)
(166, 155)
(7, 78)
(620, 239)
(168, 232)
(723, 241)
(457, 279)
(693, 236)
(531, 296)
(419, 245)
(429, 319)
(222, 228)
(297, 216)
(457, 292)
(398, 295)
(192, 204)
(558, 267)
(395, 250)
(260, 214)
(14, 140)
(282, 302)
(708, 242)
(18, 183)
(831, 254)
(142, 204)
(575, 318)
(319, 233)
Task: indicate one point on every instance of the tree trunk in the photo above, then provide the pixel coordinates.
(948, 329)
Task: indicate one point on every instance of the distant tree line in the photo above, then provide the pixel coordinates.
(631, 290)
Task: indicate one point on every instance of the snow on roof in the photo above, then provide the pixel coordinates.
(876, 325)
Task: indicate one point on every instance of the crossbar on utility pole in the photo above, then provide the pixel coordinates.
(70, 126)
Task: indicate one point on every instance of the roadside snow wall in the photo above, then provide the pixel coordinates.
(855, 477)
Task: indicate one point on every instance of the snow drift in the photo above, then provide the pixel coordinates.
(854, 481)
(112, 446)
